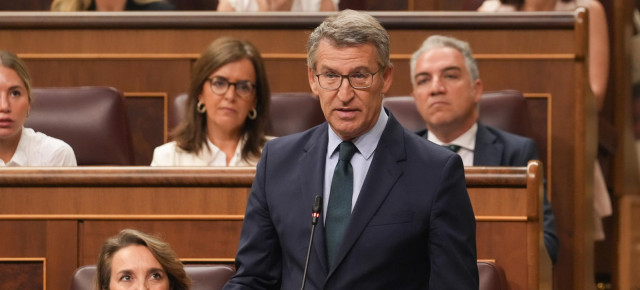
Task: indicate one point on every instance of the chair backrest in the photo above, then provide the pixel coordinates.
(92, 120)
(491, 276)
(204, 277)
(177, 110)
(292, 113)
(289, 113)
(404, 110)
(505, 109)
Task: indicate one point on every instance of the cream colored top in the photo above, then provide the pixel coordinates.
(170, 154)
(496, 6)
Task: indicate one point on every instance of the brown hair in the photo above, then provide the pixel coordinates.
(178, 279)
(191, 134)
(13, 62)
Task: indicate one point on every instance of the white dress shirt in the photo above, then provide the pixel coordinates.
(360, 161)
(38, 149)
(466, 141)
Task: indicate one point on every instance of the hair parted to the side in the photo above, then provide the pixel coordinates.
(439, 41)
(350, 28)
(161, 250)
(12, 61)
(191, 133)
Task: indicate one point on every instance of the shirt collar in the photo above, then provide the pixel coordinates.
(366, 143)
(210, 155)
(466, 140)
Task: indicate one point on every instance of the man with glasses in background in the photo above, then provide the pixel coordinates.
(395, 210)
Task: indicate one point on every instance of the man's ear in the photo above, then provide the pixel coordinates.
(313, 81)
(387, 77)
(478, 89)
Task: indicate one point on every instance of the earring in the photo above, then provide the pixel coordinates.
(253, 114)
(201, 108)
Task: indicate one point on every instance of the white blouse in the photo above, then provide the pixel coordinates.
(38, 149)
(170, 154)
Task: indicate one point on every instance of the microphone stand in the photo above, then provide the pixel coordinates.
(315, 215)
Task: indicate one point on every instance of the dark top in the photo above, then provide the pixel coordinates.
(495, 147)
(412, 227)
(132, 6)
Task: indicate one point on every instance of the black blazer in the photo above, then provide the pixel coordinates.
(412, 227)
(495, 147)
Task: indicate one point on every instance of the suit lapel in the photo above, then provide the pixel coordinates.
(311, 176)
(488, 151)
(382, 175)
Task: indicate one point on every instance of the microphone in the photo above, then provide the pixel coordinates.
(315, 215)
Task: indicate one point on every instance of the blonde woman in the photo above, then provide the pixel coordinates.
(20, 146)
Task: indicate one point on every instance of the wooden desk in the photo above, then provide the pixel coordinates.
(54, 220)
(149, 55)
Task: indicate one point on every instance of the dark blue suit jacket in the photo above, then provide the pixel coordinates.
(495, 147)
(412, 227)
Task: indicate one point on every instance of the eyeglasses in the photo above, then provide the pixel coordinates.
(332, 82)
(244, 89)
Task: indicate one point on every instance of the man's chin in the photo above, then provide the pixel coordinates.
(346, 130)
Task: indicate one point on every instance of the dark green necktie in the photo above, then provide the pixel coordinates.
(339, 208)
(452, 147)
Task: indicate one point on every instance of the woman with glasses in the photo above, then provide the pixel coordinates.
(227, 104)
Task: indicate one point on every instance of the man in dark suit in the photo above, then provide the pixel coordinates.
(446, 90)
(408, 222)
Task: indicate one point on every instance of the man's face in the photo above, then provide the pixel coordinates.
(443, 91)
(350, 112)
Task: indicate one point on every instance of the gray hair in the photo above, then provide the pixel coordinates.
(439, 41)
(347, 29)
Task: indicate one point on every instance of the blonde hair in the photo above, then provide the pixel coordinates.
(12, 61)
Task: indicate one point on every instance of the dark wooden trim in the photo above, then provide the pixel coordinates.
(279, 20)
(194, 176)
(128, 176)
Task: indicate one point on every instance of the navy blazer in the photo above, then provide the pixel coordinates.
(412, 226)
(495, 147)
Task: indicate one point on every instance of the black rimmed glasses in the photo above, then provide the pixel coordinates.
(244, 89)
(357, 80)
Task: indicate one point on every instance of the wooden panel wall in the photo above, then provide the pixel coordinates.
(59, 217)
(151, 54)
